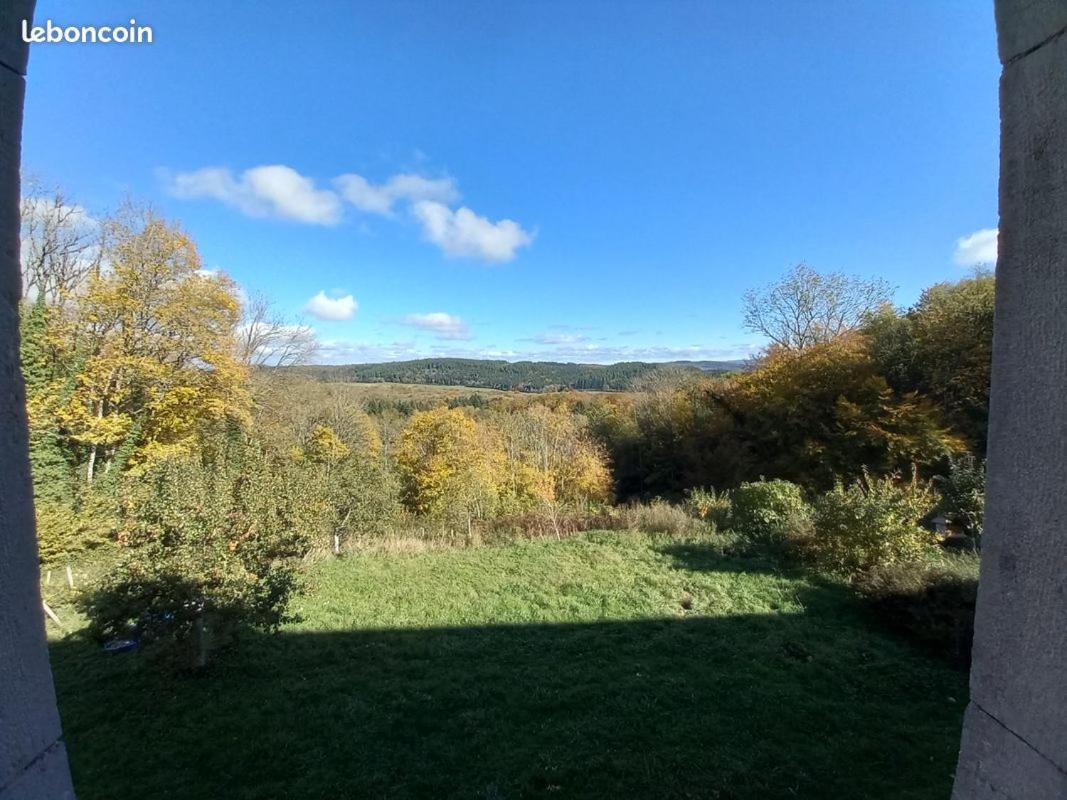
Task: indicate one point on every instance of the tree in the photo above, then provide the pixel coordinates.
(208, 545)
(364, 497)
(48, 458)
(826, 411)
(449, 466)
(806, 308)
(942, 348)
(60, 244)
(953, 324)
(552, 459)
(266, 337)
(148, 348)
(325, 447)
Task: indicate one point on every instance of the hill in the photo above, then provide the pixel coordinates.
(526, 376)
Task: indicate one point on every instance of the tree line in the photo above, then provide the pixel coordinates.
(523, 376)
(840, 390)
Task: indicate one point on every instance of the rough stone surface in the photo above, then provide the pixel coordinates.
(13, 51)
(1002, 765)
(1023, 25)
(33, 761)
(1015, 735)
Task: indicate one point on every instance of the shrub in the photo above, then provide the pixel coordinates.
(707, 505)
(770, 514)
(963, 494)
(873, 522)
(63, 531)
(931, 604)
(363, 498)
(659, 516)
(209, 547)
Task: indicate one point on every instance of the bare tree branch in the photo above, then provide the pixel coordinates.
(806, 308)
(267, 338)
(60, 245)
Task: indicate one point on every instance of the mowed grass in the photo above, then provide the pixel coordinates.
(603, 666)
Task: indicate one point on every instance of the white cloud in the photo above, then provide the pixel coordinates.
(43, 209)
(558, 338)
(333, 309)
(380, 199)
(594, 353)
(268, 191)
(280, 191)
(351, 352)
(343, 351)
(464, 233)
(445, 326)
(976, 249)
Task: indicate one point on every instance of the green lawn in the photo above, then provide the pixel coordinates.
(608, 665)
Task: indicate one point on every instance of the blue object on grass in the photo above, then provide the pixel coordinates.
(121, 646)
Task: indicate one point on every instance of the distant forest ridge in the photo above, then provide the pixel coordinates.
(525, 376)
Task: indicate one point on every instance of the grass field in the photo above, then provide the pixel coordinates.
(603, 666)
(412, 392)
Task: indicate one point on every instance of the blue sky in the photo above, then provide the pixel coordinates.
(588, 181)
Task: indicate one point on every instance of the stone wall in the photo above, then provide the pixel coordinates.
(33, 760)
(1015, 732)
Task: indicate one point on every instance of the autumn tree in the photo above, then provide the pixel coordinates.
(449, 466)
(942, 347)
(827, 411)
(669, 437)
(806, 307)
(552, 457)
(148, 348)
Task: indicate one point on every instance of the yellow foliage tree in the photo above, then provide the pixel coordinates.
(149, 347)
(552, 459)
(324, 446)
(449, 465)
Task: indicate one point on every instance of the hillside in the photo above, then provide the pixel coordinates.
(607, 665)
(528, 376)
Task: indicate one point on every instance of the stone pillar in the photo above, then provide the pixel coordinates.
(1015, 731)
(33, 761)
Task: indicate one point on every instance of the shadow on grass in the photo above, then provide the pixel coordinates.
(713, 557)
(760, 706)
(931, 609)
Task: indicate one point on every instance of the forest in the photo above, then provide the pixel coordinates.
(523, 376)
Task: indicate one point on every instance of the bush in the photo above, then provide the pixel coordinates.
(770, 514)
(963, 494)
(873, 522)
(209, 547)
(931, 604)
(659, 516)
(707, 505)
(64, 532)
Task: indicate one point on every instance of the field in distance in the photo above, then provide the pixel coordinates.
(524, 376)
